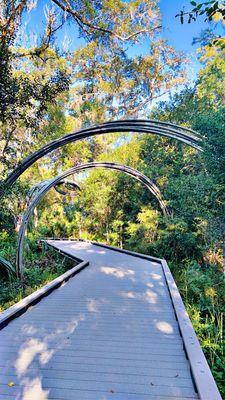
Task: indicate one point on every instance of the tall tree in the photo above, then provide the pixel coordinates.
(103, 78)
(112, 84)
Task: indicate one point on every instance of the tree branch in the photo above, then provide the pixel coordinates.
(15, 13)
(83, 21)
(46, 40)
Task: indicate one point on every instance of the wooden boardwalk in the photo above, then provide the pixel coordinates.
(110, 332)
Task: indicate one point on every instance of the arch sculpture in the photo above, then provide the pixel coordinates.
(166, 129)
(44, 188)
(69, 185)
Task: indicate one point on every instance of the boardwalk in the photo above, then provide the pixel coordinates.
(110, 332)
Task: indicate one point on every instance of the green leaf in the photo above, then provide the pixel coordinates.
(7, 266)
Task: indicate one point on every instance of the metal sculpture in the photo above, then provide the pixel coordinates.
(169, 130)
(34, 192)
(44, 188)
(69, 185)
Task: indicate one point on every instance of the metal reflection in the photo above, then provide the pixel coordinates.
(46, 186)
(166, 129)
(69, 185)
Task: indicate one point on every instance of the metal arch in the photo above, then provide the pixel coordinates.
(55, 181)
(166, 129)
(70, 185)
(33, 196)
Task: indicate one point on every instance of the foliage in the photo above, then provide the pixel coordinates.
(29, 83)
(121, 85)
(203, 290)
(212, 77)
(213, 11)
(6, 267)
(210, 9)
(40, 82)
(40, 269)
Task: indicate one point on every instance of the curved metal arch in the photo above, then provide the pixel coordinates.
(70, 185)
(166, 129)
(51, 183)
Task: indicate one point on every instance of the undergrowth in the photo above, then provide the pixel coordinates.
(43, 268)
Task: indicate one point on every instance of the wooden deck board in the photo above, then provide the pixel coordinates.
(108, 333)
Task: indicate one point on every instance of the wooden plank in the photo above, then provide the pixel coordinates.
(129, 252)
(84, 395)
(135, 381)
(131, 372)
(105, 346)
(74, 385)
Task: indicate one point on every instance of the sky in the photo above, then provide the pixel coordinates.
(181, 36)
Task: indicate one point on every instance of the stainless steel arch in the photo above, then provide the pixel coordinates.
(69, 185)
(38, 186)
(169, 130)
(51, 183)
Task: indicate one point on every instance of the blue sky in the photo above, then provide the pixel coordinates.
(181, 36)
(178, 35)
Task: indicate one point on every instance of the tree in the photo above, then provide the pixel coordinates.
(96, 82)
(111, 84)
(212, 76)
(30, 80)
(119, 20)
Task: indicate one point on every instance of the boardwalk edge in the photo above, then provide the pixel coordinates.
(202, 375)
(20, 307)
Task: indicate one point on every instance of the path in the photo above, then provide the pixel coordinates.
(110, 332)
